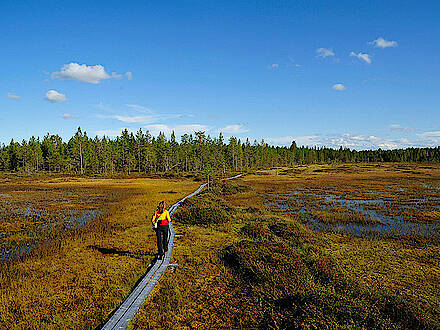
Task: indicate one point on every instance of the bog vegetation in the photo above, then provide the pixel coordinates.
(267, 268)
(316, 246)
(144, 153)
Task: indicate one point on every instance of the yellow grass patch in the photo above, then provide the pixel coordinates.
(79, 280)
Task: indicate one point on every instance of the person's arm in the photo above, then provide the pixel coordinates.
(153, 219)
(168, 216)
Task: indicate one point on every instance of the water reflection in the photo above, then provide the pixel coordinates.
(46, 220)
(294, 202)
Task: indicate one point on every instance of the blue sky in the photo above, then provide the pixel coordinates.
(358, 74)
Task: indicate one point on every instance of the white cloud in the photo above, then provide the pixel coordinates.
(129, 75)
(190, 128)
(283, 140)
(112, 132)
(67, 116)
(358, 142)
(83, 72)
(346, 140)
(136, 119)
(234, 129)
(382, 43)
(362, 56)
(431, 138)
(13, 96)
(55, 97)
(397, 127)
(116, 75)
(339, 87)
(275, 66)
(435, 134)
(147, 115)
(139, 108)
(102, 106)
(307, 140)
(324, 52)
(155, 129)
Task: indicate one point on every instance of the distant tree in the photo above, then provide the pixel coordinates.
(199, 153)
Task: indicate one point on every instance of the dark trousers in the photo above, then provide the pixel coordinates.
(162, 239)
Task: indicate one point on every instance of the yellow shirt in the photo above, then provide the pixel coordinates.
(163, 218)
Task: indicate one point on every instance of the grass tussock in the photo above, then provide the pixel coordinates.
(256, 231)
(231, 188)
(204, 210)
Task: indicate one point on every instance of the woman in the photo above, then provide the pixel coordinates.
(161, 219)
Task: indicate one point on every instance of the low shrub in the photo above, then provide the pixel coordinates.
(202, 211)
(231, 188)
(252, 209)
(256, 231)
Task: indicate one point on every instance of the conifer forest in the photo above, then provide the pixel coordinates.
(141, 152)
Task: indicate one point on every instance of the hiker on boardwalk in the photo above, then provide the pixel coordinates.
(161, 219)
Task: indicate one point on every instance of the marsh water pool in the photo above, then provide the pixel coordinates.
(44, 221)
(31, 216)
(377, 220)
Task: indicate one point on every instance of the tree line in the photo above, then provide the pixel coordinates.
(198, 152)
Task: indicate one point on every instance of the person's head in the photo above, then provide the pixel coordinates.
(161, 206)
